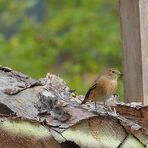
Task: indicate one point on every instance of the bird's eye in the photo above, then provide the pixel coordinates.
(113, 71)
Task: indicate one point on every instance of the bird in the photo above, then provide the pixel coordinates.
(103, 87)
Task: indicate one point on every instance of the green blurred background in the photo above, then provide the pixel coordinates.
(73, 39)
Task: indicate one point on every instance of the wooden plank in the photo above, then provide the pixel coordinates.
(144, 45)
(134, 28)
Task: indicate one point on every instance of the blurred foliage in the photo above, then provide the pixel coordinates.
(74, 39)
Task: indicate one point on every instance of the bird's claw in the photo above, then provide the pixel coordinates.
(113, 112)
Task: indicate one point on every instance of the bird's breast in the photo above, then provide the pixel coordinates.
(111, 87)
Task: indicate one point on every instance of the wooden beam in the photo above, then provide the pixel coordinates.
(134, 28)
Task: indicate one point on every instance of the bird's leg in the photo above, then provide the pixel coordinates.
(95, 105)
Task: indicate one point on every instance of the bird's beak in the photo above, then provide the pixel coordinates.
(121, 74)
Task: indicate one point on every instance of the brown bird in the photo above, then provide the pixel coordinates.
(103, 87)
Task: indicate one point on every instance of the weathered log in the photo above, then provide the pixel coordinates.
(50, 104)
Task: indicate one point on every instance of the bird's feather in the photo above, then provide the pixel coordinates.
(88, 92)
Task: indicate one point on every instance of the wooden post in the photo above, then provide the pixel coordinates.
(134, 28)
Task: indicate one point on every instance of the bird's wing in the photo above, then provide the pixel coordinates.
(88, 92)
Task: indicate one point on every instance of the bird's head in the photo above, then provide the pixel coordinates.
(113, 73)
